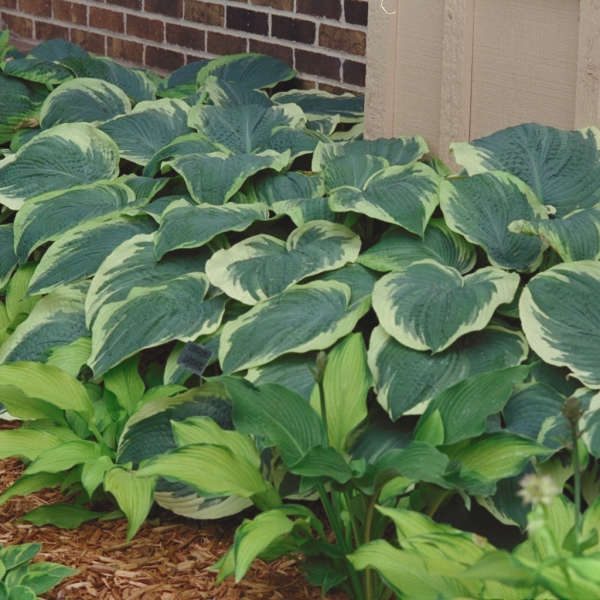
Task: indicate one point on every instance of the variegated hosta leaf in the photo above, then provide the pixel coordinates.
(353, 171)
(427, 306)
(297, 195)
(38, 70)
(185, 226)
(360, 281)
(57, 159)
(397, 249)
(56, 320)
(19, 105)
(317, 104)
(158, 206)
(135, 302)
(78, 253)
(250, 70)
(83, 100)
(560, 315)
(181, 83)
(216, 177)
(482, 207)
(407, 379)
(296, 373)
(8, 258)
(305, 317)
(262, 266)
(144, 188)
(46, 217)
(57, 49)
(575, 236)
(228, 93)
(561, 167)
(403, 195)
(151, 125)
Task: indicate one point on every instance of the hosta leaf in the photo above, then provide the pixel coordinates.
(561, 167)
(71, 357)
(57, 49)
(65, 516)
(22, 407)
(318, 103)
(185, 226)
(84, 100)
(13, 556)
(352, 171)
(78, 253)
(41, 577)
(360, 281)
(280, 325)
(64, 457)
(423, 375)
(190, 143)
(250, 70)
(402, 195)
(8, 258)
(65, 156)
(18, 304)
(27, 485)
(181, 83)
(26, 444)
(292, 372)
(126, 384)
(482, 207)
(561, 319)
(214, 178)
(56, 320)
(262, 266)
(45, 217)
(144, 188)
(227, 93)
(428, 306)
(38, 70)
(151, 125)
(575, 236)
(397, 249)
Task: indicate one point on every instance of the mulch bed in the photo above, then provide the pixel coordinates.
(167, 559)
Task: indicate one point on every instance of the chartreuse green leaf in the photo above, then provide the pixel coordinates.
(561, 319)
(39, 578)
(283, 418)
(249, 70)
(318, 104)
(71, 357)
(185, 226)
(465, 407)
(281, 324)
(48, 383)
(18, 304)
(134, 495)
(65, 516)
(402, 195)
(65, 156)
(56, 320)
(21, 592)
(28, 484)
(18, 554)
(93, 471)
(151, 125)
(45, 217)
(561, 167)
(398, 249)
(38, 70)
(575, 236)
(125, 382)
(84, 100)
(481, 209)
(78, 253)
(262, 266)
(20, 406)
(64, 457)
(427, 306)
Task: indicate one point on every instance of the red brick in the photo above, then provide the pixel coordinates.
(204, 12)
(356, 12)
(148, 29)
(94, 42)
(48, 31)
(106, 19)
(133, 4)
(70, 12)
(354, 72)
(296, 30)
(185, 36)
(39, 8)
(218, 43)
(345, 40)
(280, 4)
(170, 8)
(332, 9)
(166, 60)
(317, 64)
(247, 20)
(334, 89)
(8, 4)
(284, 53)
(125, 50)
(18, 25)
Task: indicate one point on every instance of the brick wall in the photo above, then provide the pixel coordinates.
(324, 40)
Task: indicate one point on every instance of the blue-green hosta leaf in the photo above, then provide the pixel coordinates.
(397, 249)
(158, 206)
(561, 318)
(263, 266)
(181, 83)
(465, 407)
(318, 104)
(575, 236)
(134, 82)
(23, 136)
(402, 195)
(8, 258)
(250, 70)
(292, 372)
(56, 320)
(83, 100)
(185, 226)
(282, 324)
(144, 188)
(57, 49)
(216, 177)
(482, 207)
(227, 93)
(78, 253)
(65, 156)
(561, 167)
(38, 70)
(352, 171)
(135, 302)
(590, 423)
(423, 375)
(151, 125)
(427, 306)
(46, 217)
(19, 107)
(360, 281)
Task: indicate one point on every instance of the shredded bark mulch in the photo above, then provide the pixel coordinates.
(167, 559)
